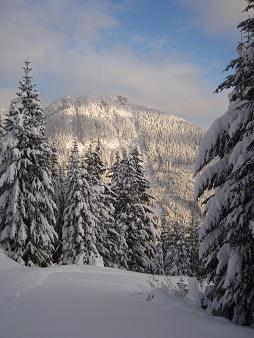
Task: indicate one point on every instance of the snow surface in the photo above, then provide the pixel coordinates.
(125, 113)
(95, 302)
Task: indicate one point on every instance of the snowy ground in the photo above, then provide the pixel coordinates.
(93, 302)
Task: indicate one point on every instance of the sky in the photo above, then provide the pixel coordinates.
(166, 54)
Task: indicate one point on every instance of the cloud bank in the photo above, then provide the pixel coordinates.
(216, 16)
(75, 50)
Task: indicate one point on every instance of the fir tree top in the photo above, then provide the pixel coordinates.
(93, 163)
(242, 80)
(29, 98)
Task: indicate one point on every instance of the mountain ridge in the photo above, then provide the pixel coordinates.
(168, 143)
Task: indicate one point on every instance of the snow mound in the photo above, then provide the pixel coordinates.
(6, 263)
(97, 302)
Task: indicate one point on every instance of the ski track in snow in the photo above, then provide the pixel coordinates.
(95, 302)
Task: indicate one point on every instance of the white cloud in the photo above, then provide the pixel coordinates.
(41, 29)
(72, 54)
(6, 94)
(216, 16)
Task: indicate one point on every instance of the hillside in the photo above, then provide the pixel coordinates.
(168, 143)
(93, 302)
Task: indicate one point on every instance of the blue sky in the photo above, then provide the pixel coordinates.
(167, 54)
(170, 21)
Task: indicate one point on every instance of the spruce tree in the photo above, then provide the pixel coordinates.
(147, 214)
(143, 187)
(57, 177)
(175, 254)
(118, 173)
(79, 232)
(94, 164)
(59, 181)
(242, 78)
(135, 217)
(27, 209)
(192, 245)
(225, 163)
(108, 246)
(2, 119)
(106, 235)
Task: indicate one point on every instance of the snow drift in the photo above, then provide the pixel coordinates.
(94, 302)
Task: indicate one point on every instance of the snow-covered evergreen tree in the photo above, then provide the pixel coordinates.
(143, 186)
(94, 164)
(225, 163)
(192, 245)
(167, 239)
(79, 228)
(175, 254)
(117, 178)
(57, 177)
(135, 217)
(122, 208)
(116, 173)
(150, 237)
(243, 77)
(106, 234)
(108, 246)
(27, 209)
(2, 121)
(59, 180)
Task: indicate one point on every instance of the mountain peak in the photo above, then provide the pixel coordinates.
(168, 143)
(116, 104)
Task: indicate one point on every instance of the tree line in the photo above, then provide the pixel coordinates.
(82, 215)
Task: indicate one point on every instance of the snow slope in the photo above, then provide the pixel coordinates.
(92, 302)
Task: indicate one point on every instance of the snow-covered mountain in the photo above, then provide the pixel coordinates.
(168, 143)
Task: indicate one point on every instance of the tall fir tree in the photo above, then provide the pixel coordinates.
(135, 217)
(94, 164)
(117, 185)
(143, 186)
(56, 179)
(116, 244)
(242, 78)
(227, 243)
(106, 234)
(108, 245)
(79, 232)
(2, 121)
(27, 209)
(174, 247)
(147, 215)
(59, 182)
(192, 244)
